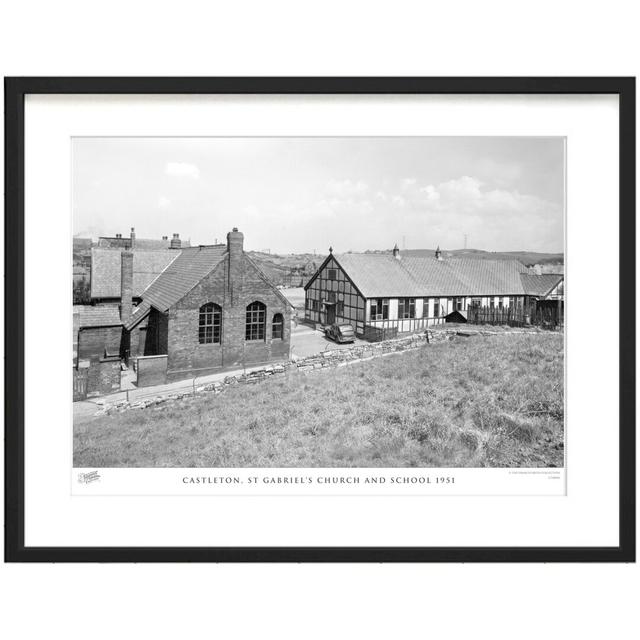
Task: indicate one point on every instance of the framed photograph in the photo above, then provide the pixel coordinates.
(320, 319)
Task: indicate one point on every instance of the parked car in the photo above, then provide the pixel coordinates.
(341, 333)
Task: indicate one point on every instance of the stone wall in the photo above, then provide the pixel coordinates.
(317, 362)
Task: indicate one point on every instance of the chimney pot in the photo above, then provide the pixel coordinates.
(176, 243)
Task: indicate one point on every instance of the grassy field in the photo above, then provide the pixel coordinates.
(493, 401)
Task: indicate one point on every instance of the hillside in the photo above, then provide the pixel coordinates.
(294, 269)
(528, 258)
(489, 402)
(288, 270)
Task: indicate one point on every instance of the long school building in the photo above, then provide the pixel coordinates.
(381, 293)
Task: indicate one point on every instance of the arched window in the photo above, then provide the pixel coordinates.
(256, 313)
(210, 323)
(277, 326)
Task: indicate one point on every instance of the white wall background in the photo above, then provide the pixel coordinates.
(330, 38)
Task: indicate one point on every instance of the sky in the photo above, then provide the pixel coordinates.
(295, 195)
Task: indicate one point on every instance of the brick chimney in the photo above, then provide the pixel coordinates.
(133, 237)
(176, 243)
(438, 253)
(396, 251)
(235, 241)
(126, 285)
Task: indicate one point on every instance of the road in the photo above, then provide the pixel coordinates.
(306, 341)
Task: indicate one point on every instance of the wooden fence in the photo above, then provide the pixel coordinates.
(548, 316)
(377, 330)
(80, 381)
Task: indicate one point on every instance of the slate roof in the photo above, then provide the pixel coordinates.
(182, 275)
(106, 270)
(540, 285)
(98, 316)
(466, 276)
(380, 275)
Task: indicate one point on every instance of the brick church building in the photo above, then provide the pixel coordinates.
(210, 308)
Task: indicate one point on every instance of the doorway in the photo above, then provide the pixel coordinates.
(331, 313)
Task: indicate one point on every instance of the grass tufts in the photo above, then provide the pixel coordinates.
(485, 401)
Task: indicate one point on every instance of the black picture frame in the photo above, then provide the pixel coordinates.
(15, 91)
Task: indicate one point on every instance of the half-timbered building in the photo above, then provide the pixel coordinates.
(383, 293)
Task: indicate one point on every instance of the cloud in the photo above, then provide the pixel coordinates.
(351, 214)
(336, 207)
(182, 170)
(465, 195)
(164, 202)
(501, 174)
(492, 217)
(398, 202)
(346, 188)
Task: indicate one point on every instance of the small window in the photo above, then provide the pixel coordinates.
(458, 304)
(332, 274)
(476, 302)
(209, 324)
(379, 309)
(277, 327)
(436, 309)
(406, 308)
(254, 328)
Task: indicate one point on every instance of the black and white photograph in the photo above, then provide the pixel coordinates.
(349, 296)
(318, 302)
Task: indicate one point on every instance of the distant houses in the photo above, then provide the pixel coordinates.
(389, 293)
(142, 244)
